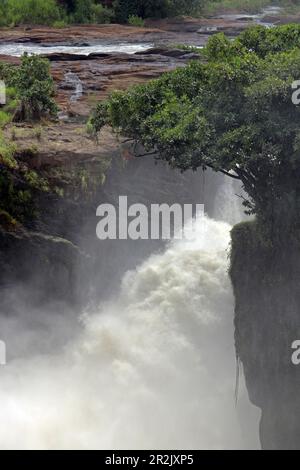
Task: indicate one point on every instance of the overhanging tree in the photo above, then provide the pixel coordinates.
(231, 111)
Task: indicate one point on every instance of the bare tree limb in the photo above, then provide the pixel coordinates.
(146, 154)
(224, 172)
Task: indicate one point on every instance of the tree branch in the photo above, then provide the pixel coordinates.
(146, 155)
(127, 140)
(230, 174)
(224, 172)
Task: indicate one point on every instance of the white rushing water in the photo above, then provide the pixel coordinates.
(153, 368)
(18, 49)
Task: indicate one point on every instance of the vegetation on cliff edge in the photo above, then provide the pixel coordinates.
(29, 94)
(232, 112)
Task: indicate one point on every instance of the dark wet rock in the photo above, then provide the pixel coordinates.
(69, 57)
(164, 51)
(267, 322)
(49, 263)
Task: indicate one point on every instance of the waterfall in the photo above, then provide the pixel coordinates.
(152, 368)
(74, 81)
(228, 205)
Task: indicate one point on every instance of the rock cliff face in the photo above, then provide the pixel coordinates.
(147, 182)
(267, 322)
(82, 172)
(41, 254)
(57, 254)
(48, 264)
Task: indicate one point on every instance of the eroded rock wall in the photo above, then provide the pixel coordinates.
(266, 283)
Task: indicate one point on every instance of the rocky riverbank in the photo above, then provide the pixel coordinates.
(62, 152)
(67, 157)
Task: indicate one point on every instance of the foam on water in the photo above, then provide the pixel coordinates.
(18, 49)
(153, 368)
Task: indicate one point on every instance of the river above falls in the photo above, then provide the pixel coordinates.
(18, 49)
(108, 40)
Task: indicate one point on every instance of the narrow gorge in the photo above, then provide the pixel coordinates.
(178, 344)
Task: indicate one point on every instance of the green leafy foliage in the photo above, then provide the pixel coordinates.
(29, 90)
(89, 11)
(31, 11)
(18, 185)
(29, 96)
(8, 110)
(59, 13)
(135, 20)
(53, 12)
(5, 118)
(124, 9)
(232, 112)
(35, 87)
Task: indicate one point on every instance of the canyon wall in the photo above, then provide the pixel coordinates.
(266, 288)
(56, 254)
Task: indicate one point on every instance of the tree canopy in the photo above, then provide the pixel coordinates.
(62, 12)
(231, 111)
(35, 87)
(155, 8)
(29, 90)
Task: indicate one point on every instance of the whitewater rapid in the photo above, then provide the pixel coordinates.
(18, 49)
(152, 369)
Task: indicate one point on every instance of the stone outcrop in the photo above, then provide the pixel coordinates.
(78, 167)
(267, 322)
(48, 264)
